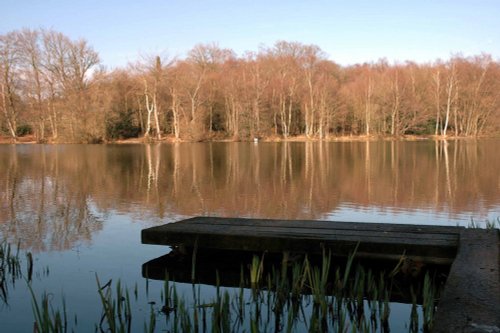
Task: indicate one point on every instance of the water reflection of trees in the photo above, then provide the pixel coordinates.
(39, 205)
(52, 195)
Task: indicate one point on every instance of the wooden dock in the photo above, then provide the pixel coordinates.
(471, 299)
(432, 244)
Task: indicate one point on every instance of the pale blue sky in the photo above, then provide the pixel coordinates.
(348, 31)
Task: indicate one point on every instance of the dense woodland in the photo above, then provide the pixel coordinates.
(55, 89)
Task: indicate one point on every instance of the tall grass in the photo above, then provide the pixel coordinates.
(11, 268)
(487, 224)
(117, 314)
(306, 295)
(47, 318)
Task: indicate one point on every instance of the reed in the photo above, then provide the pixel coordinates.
(193, 261)
(414, 314)
(347, 270)
(11, 268)
(10, 262)
(300, 297)
(493, 224)
(488, 224)
(429, 303)
(150, 327)
(117, 312)
(241, 296)
(48, 319)
(185, 322)
(256, 270)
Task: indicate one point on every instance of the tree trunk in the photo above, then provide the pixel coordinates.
(149, 109)
(368, 106)
(10, 122)
(157, 121)
(10, 112)
(175, 112)
(448, 104)
(437, 81)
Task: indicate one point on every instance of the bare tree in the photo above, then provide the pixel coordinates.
(70, 64)
(175, 105)
(31, 53)
(54, 85)
(258, 83)
(9, 62)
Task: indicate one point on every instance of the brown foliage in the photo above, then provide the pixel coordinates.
(51, 84)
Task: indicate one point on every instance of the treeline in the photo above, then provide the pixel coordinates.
(54, 88)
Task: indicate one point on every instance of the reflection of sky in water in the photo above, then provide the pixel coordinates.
(354, 213)
(115, 253)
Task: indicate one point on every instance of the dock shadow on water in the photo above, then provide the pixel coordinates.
(292, 292)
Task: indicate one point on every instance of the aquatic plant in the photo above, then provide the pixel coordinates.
(256, 270)
(117, 314)
(493, 224)
(47, 318)
(11, 268)
(306, 295)
(428, 303)
(487, 224)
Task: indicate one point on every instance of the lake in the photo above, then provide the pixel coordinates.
(80, 208)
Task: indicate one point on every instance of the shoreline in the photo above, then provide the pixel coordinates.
(301, 138)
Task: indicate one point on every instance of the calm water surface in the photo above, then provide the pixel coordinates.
(80, 208)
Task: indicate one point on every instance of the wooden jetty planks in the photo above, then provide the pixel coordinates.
(384, 227)
(318, 227)
(430, 243)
